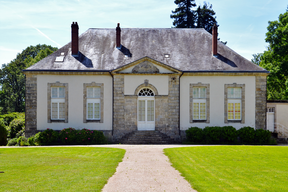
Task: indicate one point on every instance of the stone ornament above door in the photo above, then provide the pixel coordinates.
(146, 84)
(145, 67)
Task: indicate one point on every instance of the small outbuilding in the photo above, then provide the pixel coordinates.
(277, 121)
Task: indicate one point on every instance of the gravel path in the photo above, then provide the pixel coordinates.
(146, 168)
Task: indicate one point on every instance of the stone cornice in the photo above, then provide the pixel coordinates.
(236, 73)
(28, 73)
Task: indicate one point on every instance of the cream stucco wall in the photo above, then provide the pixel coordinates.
(131, 82)
(217, 100)
(75, 100)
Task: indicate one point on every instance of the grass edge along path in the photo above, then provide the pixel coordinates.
(232, 168)
(57, 168)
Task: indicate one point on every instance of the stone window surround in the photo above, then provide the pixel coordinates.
(49, 86)
(85, 86)
(207, 86)
(234, 85)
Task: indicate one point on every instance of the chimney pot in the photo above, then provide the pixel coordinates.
(118, 36)
(214, 39)
(74, 38)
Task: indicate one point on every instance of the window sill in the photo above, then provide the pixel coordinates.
(199, 121)
(57, 121)
(234, 121)
(92, 121)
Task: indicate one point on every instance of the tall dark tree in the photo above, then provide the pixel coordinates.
(205, 17)
(183, 15)
(12, 80)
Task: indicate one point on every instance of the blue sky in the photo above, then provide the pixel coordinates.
(243, 24)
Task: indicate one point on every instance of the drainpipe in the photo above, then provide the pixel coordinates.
(112, 104)
(179, 108)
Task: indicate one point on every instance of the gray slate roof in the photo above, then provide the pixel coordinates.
(189, 50)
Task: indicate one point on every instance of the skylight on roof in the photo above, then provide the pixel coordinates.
(167, 55)
(60, 58)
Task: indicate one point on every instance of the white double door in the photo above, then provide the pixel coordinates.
(146, 113)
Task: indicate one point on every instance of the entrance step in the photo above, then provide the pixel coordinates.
(282, 140)
(147, 137)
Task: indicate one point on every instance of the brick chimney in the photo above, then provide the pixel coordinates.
(74, 38)
(214, 39)
(118, 36)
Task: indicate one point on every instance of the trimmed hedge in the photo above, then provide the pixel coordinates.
(69, 136)
(47, 137)
(228, 135)
(195, 135)
(262, 136)
(246, 135)
(212, 135)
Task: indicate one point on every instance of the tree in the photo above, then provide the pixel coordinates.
(257, 58)
(205, 17)
(275, 59)
(183, 15)
(12, 80)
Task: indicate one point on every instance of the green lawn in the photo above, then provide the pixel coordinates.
(57, 168)
(232, 168)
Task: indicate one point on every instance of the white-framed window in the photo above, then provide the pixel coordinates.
(234, 103)
(58, 103)
(199, 103)
(93, 103)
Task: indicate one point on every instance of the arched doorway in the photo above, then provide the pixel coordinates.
(146, 110)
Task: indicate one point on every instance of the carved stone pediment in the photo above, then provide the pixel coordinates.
(145, 67)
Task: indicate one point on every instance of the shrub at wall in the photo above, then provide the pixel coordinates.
(22, 141)
(194, 135)
(3, 133)
(31, 141)
(69, 136)
(246, 135)
(47, 137)
(229, 135)
(212, 135)
(262, 136)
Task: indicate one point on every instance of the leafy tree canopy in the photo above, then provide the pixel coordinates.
(275, 59)
(12, 79)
